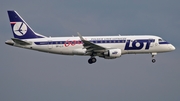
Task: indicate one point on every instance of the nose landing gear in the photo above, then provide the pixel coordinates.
(153, 55)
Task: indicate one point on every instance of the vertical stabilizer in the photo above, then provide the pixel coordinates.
(20, 28)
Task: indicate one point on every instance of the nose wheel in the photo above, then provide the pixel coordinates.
(153, 60)
(92, 60)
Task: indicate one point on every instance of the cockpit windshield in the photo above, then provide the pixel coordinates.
(160, 40)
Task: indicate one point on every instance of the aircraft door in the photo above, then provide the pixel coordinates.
(50, 43)
(152, 44)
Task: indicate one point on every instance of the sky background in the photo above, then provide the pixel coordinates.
(27, 75)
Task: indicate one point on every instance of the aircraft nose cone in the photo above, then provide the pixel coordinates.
(172, 47)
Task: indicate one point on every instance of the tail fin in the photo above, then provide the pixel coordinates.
(20, 28)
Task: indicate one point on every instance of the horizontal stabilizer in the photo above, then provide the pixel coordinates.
(21, 42)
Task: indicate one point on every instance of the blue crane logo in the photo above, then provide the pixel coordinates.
(20, 28)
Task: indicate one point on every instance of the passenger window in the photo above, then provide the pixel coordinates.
(104, 41)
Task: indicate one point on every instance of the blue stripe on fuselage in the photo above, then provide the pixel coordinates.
(163, 43)
(93, 41)
(79, 42)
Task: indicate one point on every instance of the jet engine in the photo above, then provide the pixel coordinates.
(112, 53)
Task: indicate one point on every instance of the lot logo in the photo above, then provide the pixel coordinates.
(20, 28)
(138, 44)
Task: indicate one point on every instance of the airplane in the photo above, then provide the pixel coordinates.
(107, 47)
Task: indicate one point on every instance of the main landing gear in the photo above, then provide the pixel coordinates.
(92, 60)
(153, 55)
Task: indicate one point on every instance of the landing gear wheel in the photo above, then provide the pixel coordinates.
(153, 60)
(92, 60)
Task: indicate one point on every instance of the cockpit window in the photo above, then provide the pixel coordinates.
(160, 40)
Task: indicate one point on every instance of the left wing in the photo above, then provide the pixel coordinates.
(89, 45)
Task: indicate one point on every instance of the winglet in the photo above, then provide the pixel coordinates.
(80, 36)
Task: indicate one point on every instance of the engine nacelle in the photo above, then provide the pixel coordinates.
(112, 53)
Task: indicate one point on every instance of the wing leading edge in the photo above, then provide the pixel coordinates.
(89, 45)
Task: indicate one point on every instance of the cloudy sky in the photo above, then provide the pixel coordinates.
(27, 75)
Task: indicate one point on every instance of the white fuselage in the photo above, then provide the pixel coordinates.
(73, 45)
(107, 47)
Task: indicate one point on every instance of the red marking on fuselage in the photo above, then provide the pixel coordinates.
(72, 43)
